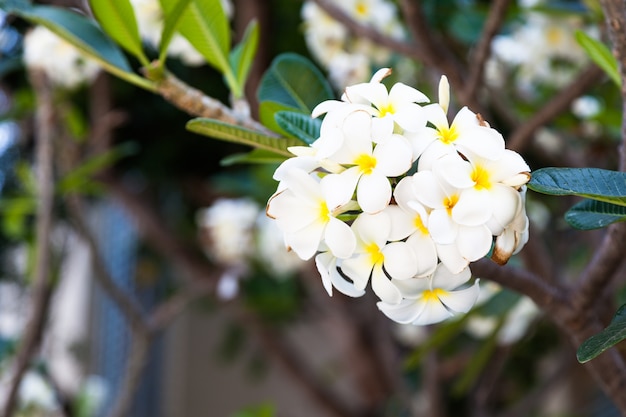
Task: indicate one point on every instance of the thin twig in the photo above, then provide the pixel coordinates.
(41, 288)
(494, 21)
(522, 136)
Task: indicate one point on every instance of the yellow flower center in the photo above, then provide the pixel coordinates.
(386, 109)
(324, 213)
(450, 202)
(481, 177)
(448, 135)
(419, 224)
(366, 163)
(376, 256)
(554, 36)
(433, 295)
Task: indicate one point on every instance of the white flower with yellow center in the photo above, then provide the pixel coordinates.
(375, 258)
(370, 166)
(436, 298)
(467, 133)
(489, 188)
(515, 234)
(408, 221)
(396, 106)
(452, 220)
(302, 212)
(327, 265)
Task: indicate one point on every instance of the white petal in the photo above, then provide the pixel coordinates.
(445, 279)
(400, 260)
(383, 287)
(340, 238)
(441, 227)
(343, 285)
(403, 193)
(393, 157)
(436, 115)
(373, 192)
(380, 75)
(433, 312)
(427, 189)
(461, 301)
(410, 117)
(324, 261)
(402, 224)
(454, 170)
(358, 269)
(306, 241)
(420, 140)
(303, 185)
(325, 107)
(382, 128)
(375, 93)
(452, 258)
(509, 166)
(373, 228)
(474, 242)
(474, 208)
(412, 288)
(465, 119)
(404, 312)
(291, 213)
(401, 93)
(483, 141)
(506, 202)
(444, 93)
(337, 189)
(426, 253)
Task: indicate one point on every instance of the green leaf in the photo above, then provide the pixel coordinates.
(205, 25)
(607, 338)
(81, 32)
(295, 82)
(593, 214)
(237, 134)
(267, 112)
(256, 156)
(117, 18)
(172, 19)
(300, 126)
(242, 55)
(594, 183)
(600, 54)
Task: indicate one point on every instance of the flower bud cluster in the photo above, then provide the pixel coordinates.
(393, 194)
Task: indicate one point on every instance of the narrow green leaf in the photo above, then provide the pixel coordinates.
(81, 178)
(117, 18)
(237, 134)
(600, 54)
(84, 34)
(300, 126)
(242, 55)
(593, 214)
(607, 338)
(594, 183)
(175, 9)
(256, 156)
(294, 81)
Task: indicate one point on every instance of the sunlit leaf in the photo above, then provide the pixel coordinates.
(295, 82)
(267, 113)
(299, 125)
(593, 214)
(594, 183)
(175, 9)
(600, 54)
(242, 56)
(607, 338)
(117, 18)
(241, 135)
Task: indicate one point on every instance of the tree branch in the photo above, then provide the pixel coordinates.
(497, 12)
(41, 288)
(521, 137)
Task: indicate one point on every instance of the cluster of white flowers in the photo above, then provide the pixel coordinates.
(235, 233)
(63, 64)
(150, 21)
(391, 192)
(349, 58)
(543, 50)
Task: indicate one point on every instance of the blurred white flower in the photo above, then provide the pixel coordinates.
(586, 107)
(62, 63)
(34, 391)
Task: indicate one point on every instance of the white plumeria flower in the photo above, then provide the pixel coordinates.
(433, 299)
(398, 105)
(488, 193)
(302, 212)
(370, 166)
(467, 133)
(375, 258)
(452, 220)
(408, 221)
(326, 265)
